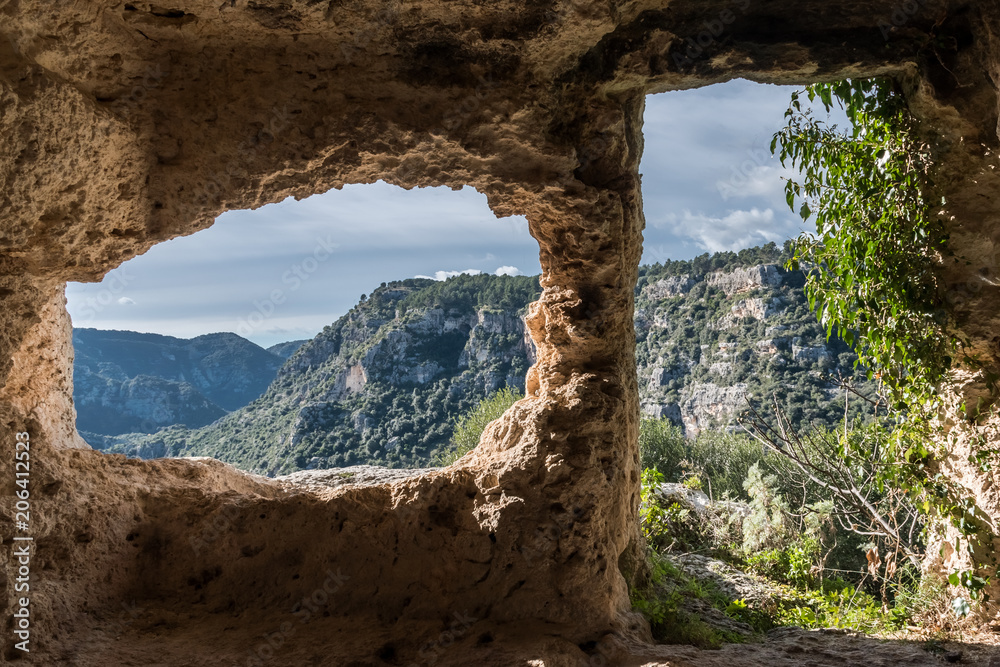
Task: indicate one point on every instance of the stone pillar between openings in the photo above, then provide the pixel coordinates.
(36, 376)
(523, 539)
(561, 468)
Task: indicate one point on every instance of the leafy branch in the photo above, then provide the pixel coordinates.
(871, 262)
(871, 278)
(851, 468)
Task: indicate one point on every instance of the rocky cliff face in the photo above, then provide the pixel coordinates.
(731, 336)
(127, 382)
(383, 383)
(380, 385)
(745, 279)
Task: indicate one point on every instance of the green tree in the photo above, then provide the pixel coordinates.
(720, 460)
(873, 276)
(661, 447)
(724, 460)
(469, 427)
(871, 261)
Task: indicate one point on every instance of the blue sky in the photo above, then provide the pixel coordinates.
(286, 270)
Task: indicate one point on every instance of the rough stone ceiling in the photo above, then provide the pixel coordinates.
(126, 124)
(192, 106)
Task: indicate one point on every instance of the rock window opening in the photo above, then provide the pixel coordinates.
(718, 318)
(183, 351)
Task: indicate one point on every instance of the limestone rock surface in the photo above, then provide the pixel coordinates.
(124, 124)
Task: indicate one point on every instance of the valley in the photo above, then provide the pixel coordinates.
(383, 384)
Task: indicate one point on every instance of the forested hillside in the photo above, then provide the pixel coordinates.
(716, 329)
(380, 385)
(383, 384)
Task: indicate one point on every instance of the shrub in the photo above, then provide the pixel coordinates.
(661, 447)
(767, 525)
(723, 461)
(662, 604)
(469, 427)
(720, 461)
(673, 523)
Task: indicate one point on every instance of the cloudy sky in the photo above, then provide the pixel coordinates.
(284, 271)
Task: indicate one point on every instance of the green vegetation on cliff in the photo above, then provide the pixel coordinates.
(381, 385)
(718, 330)
(385, 382)
(742, 540)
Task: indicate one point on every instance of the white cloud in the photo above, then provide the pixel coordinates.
(764, 181)
(125, 301)
(444, 275)
(734, 231)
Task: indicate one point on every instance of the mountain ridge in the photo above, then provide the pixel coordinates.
(382, 384)
(126, 381)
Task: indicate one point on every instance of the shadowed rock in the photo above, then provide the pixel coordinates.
(126, 124)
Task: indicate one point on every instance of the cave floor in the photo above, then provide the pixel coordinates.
(161, 638)
(788, 647)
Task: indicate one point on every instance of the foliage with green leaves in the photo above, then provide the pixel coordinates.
(464, 292)
(718, 460)
(666, 602)
(872, 276)
(870, 265)
(768, 519)
(788, 563)
(793, 532)
(725, 261)
(662, 447)
(853, 469)
(469, 427)
(653, 517)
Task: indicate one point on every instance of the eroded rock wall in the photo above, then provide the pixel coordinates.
(963, 137)
(126, 124)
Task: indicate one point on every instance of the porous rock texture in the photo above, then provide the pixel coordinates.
(123, 124)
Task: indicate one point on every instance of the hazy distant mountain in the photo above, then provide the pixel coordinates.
(286, 349)
(127, 382)
(383, 383)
